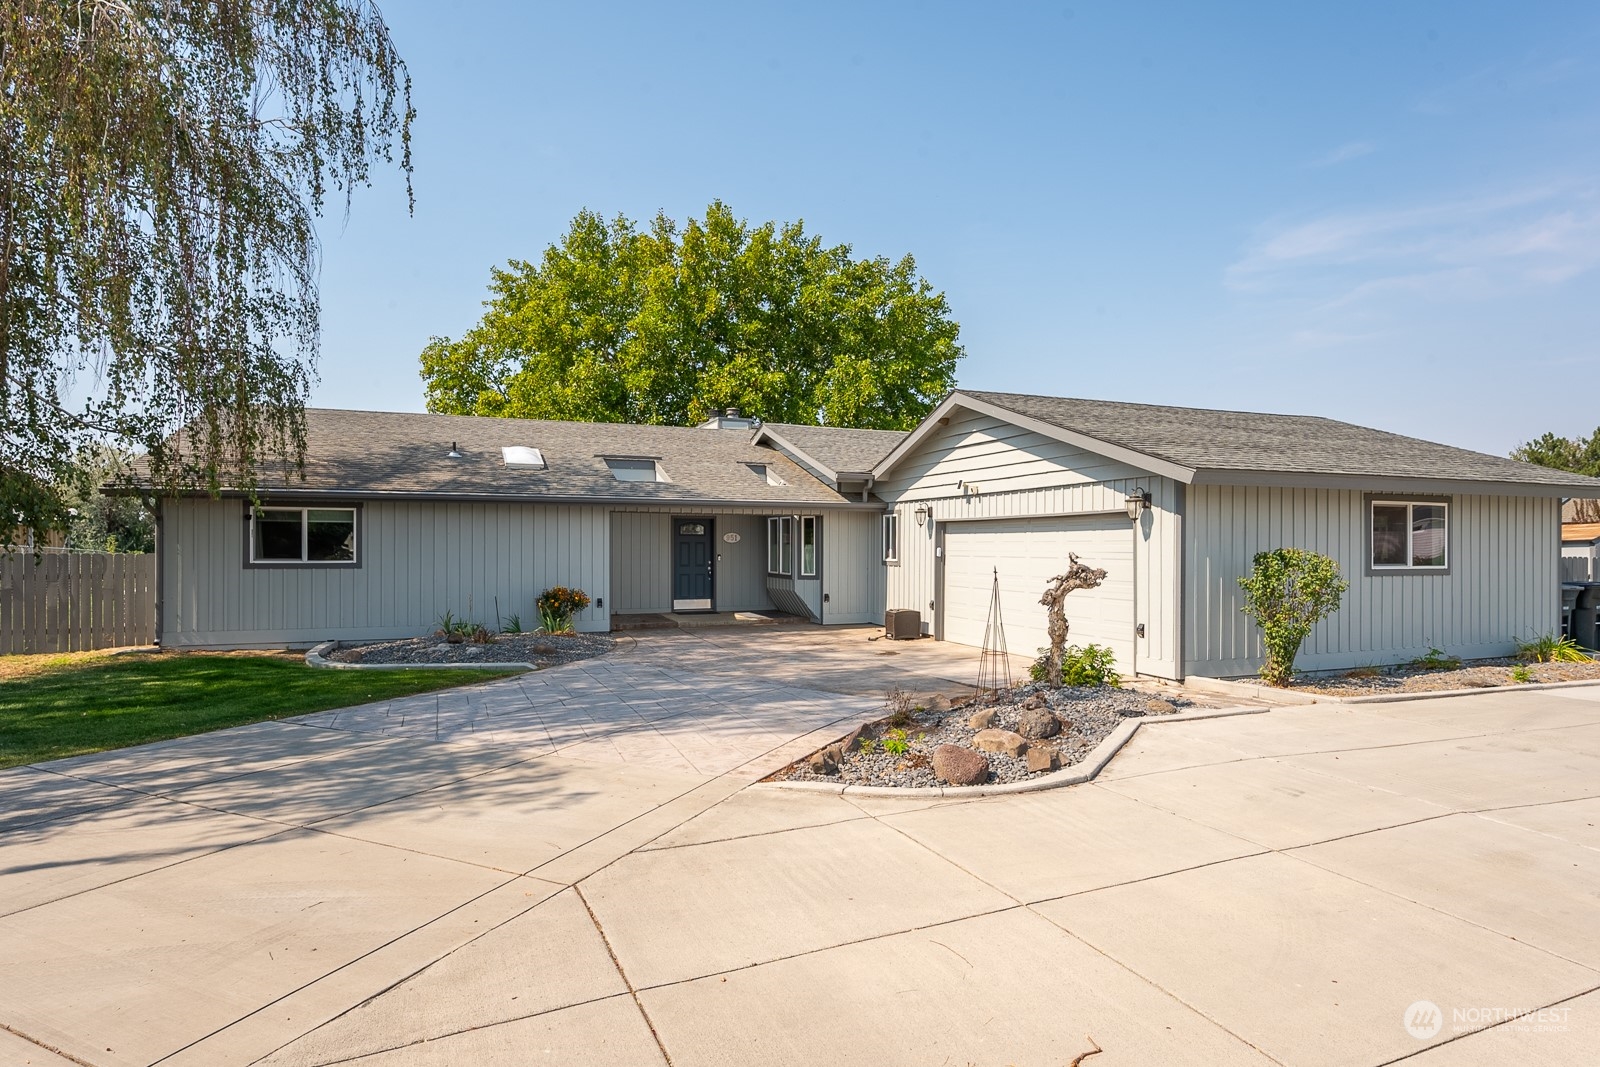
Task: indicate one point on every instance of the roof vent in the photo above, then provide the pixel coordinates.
(454, 453)
(730, 420)
(522, 457)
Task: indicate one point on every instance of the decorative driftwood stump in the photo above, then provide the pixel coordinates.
(1077, 577)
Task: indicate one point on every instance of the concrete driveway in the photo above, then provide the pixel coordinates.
(1294, 887)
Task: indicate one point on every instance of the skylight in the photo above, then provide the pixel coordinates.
(523, 457)
(636, 470)
(766, 473)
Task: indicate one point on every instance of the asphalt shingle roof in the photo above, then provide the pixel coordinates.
(841, 449)
(1205, 439)
(401, 453)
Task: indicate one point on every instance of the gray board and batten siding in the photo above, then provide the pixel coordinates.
(974, 462)
(416, 560)
(1501, 585)
(981, 468)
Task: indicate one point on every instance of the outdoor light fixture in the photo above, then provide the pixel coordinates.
(922, 515)
(1138, 501)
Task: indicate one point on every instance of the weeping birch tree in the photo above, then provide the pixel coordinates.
(163, 164)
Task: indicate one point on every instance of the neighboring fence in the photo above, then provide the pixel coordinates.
(72, 601)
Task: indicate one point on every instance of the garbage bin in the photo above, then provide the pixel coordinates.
(1586, 616)
(1569, 602)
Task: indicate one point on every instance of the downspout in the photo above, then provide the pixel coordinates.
(1134, 567)
(161, 552)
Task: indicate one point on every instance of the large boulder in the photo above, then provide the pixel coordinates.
(960, 766)
(1037, 724)
(1003, 741)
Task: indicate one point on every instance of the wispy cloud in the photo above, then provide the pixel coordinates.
(1497, 80)
(1539, 234)
(1344, 154)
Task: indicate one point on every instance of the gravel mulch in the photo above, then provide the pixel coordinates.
(1476, 674)
(1087, 715)
(542, 650)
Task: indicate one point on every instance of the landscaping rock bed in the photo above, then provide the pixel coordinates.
(1475, 674)
(542, 650)
(1010, 736)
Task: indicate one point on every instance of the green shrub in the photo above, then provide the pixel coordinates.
(895, 743)
(513, 624)
(1521, 674)
(1091, 665)
(556, 607)
(1287, 592)
(1548, 648)
(1437, 660)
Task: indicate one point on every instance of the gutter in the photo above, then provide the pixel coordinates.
(288, 494)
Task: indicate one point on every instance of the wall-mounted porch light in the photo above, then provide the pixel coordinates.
(922, 515)
(1138, 501)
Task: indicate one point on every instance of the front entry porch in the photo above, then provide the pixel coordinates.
(700, 620)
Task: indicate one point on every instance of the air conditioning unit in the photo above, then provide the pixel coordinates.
(902, 624)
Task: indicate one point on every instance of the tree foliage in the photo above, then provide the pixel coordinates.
(1287, 592)
(162, 164)
(670, 324)
(1580, 455)
(98, 522)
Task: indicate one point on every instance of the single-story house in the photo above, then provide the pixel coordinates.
(402, 517)
(1580, 551)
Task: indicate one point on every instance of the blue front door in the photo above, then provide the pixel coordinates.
(692, 564)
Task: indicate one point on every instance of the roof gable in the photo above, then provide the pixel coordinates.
(832, 451)
(1199, 445)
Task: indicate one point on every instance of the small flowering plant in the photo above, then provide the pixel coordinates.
(556, 607)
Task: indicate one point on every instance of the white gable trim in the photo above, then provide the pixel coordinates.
(799, 455)
(958, 399)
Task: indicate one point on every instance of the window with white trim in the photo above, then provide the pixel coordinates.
(1411, 535)
(303, 535)
(891, 538)
(780, 545)
(808, 546)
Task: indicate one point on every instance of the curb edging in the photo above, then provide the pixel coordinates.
(1301, 698)
(1083, 771)
(315, 658)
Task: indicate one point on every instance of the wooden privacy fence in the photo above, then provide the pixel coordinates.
(72, 601)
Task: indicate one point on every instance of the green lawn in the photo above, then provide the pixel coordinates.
(58, 706)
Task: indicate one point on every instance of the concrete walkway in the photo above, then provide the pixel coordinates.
(1294, 888)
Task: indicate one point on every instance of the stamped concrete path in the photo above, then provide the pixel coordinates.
(489, 883)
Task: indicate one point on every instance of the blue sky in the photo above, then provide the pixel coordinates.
(1383, 213)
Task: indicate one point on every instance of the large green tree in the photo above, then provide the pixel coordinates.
(162, 165)
(669, 324)
(1580, 455)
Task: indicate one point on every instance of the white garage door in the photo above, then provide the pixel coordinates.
(1028, 553)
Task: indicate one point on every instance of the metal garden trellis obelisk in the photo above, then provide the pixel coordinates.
(994, 666)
